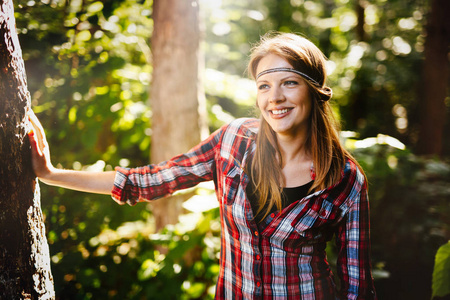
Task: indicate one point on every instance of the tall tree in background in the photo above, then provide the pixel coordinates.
(177, 98)
(24, 255)
(435, 76)
(359, 97)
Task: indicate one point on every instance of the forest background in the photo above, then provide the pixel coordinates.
(89, 74)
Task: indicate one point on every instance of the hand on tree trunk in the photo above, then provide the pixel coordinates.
(40, 152)
(92, 182)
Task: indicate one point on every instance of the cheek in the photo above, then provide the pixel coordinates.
(260, 105)
(259, 102)
(306, 99)
(309, 108)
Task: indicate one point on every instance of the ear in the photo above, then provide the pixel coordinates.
(326, 93)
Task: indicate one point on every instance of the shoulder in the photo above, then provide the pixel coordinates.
(353, 171)
(241, 129)
(352, 178)
(353, 182)
(238, 137)
(245, 126)
(353, 175)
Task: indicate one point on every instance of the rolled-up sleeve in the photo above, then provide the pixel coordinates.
(133, 185)
(119, 193)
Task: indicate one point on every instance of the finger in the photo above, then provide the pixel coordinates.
(32, 117)
(33, 142)
(35, 137)
(35, 122)
(38, 129)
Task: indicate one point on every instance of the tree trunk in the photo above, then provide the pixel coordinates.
(359, 96)
(435, 79)
(360, 13)
(24, 255)
(177, 98)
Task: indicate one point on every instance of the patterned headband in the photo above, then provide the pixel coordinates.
(287, 70)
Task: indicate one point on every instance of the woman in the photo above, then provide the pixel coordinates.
(284, 183)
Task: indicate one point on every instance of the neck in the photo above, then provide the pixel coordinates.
(293, 149)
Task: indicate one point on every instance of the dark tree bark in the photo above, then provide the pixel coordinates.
(360, 13)
(359, 97)
(177, 97)
(435, 79)
(24, 255)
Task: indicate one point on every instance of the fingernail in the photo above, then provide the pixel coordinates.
(31, 132)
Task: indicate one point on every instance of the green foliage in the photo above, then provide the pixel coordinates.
(89, 68)
(441, 273)
(90, 88)
(409, 199)
(133, 262)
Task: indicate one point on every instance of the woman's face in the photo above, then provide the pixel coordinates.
(283, 98)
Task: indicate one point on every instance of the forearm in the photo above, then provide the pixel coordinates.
(85, 181)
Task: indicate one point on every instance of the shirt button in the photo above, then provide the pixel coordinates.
(272, 215)
(258, 284)
(258, 257)
(256, 233)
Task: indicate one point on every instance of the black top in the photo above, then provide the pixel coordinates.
(289, 195)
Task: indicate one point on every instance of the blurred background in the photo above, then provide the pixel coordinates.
(89, 71)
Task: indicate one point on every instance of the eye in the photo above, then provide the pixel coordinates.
(291, 82)
(263, 86)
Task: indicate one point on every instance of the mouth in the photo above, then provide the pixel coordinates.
(280, 112)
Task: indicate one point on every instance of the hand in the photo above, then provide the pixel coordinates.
(93, 182)
(40, 152)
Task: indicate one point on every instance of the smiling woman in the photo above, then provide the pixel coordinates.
(298, 148)
(290, 73)
(285, 185)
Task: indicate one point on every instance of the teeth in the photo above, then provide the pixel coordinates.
(280, 111)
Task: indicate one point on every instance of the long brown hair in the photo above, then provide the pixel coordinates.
(322, 142)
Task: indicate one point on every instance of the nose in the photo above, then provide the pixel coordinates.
(276, 95)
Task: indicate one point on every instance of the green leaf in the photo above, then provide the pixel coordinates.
(95, 7)
(72, 114)
(84, 36)
(196, 289)
(149, 269)
(441, 273)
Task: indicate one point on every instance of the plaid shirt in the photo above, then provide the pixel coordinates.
(287, 259)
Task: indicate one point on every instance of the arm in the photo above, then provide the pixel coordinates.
(160, 180)
(84, 181)
(353, 244)
(93, 182)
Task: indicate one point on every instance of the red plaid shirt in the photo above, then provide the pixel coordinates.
(287, 259)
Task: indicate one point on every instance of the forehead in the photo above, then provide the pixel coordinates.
(272, 61)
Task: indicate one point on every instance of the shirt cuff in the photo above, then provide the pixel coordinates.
(123, 191)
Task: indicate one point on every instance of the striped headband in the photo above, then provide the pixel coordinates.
(287, 70)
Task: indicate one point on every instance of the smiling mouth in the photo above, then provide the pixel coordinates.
(280, 111)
